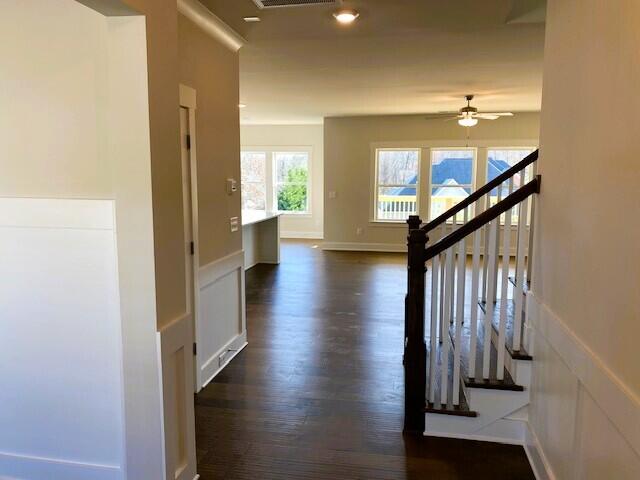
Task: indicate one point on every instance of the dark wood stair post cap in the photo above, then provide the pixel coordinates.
(414, 222)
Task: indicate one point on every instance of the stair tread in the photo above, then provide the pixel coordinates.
(475, 379)
(448, 408)
(521, 354)
(525, 287)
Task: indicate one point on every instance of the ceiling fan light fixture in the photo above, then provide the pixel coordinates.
(346, 17)
(468, 122)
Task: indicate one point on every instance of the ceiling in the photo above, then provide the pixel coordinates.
(400, 56)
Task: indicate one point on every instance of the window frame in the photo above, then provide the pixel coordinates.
(275, 184)
(474, 174)
(266, 177)
(531, 170)
(270, 175)
(373, 216)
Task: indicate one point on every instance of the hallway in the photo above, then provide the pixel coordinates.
(318, 392)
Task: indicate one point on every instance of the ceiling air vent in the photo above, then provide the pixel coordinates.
(290, 3)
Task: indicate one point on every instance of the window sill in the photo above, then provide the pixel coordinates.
(296, 214)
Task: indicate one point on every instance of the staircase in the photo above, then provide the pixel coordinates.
(467, 368)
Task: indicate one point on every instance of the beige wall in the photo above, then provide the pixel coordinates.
(81, 120)
(348, 164)
(307, 226)
(75, 91)
(52, 148)
(212, 70)
(587, 275)
(162, 48)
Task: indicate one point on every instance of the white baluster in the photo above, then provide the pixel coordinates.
(496, 257)
(504, 289)
(444, 334)
(449, 285)
(475, 279)
(489, 305)
(532, 215)
(459, 321)
(462, 268)
(433, 339)
(442, 284)
(485, 256)
(519, 280)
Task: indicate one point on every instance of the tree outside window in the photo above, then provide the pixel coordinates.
(292, 181)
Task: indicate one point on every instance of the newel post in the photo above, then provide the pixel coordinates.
(415, 351)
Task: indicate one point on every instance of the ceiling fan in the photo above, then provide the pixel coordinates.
(468, 116)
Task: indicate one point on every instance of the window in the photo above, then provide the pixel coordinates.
(291, 186)
(499, 160)
(397, 179)
(253, 180)
(452, 173)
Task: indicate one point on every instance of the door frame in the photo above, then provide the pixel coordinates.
(188, 101)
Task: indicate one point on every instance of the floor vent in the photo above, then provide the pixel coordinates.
(290, 3)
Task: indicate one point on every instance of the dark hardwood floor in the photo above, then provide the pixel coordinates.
(318, 392)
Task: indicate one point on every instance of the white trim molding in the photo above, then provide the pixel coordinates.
(598, 399)
(365, 247)
(176, 357)
(621, 405)
(213, 366)
(211, 24)
(217, 269)
(537, 459)
(221, 326)
(303, 235)
(30, 467)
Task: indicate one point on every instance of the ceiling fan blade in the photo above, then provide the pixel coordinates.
(430, 116)
(493, 115)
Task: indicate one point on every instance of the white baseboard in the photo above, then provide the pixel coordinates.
(302, 235)
(365, 247)
(212, 368)
(25, 467)
(537, 459)
(377, 247)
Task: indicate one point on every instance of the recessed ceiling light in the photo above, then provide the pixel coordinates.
(251, 19)
(242, 105)
(346, 16)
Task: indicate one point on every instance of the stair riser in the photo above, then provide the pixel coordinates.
(512, 365)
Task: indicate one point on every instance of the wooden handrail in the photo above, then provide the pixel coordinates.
(485, 217)
(526, 161)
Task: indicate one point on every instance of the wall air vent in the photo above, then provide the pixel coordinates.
(290, 3)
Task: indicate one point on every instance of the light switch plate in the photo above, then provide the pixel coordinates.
(232, 186)
(233, 221)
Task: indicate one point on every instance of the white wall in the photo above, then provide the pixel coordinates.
(75, 125)
(295, 226)
(585, 407)
(62, 402)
